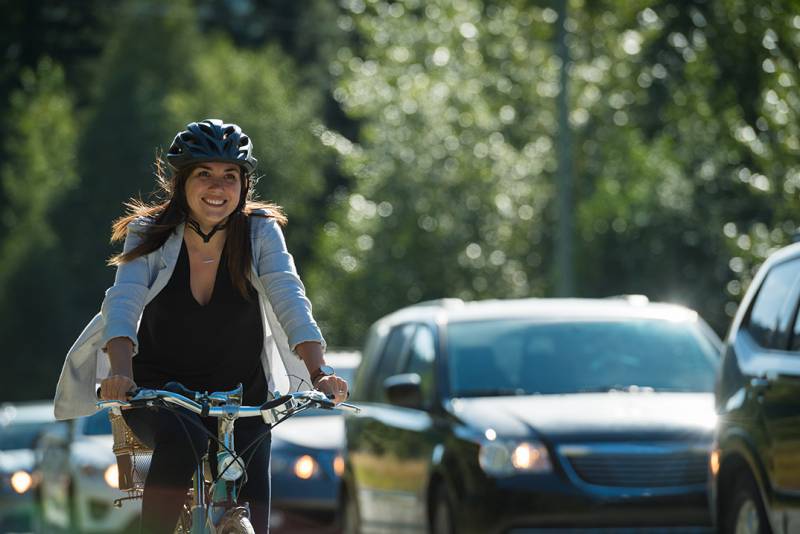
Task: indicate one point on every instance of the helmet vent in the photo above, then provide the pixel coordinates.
(212, 140)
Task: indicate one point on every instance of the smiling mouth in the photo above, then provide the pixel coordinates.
(214, 202)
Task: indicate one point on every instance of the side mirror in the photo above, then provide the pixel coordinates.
(404, 390)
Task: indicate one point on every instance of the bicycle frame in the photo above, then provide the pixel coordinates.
(209, 506)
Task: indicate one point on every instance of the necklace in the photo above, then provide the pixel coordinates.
(209, 260)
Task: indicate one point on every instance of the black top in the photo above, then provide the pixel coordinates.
(206, 348)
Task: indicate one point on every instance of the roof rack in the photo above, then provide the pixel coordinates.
(449, 302)
(635, 299)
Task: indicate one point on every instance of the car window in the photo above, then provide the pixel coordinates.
(20, 435)
(514, 357)
(391, 359)
(421, 355)
(772, 309)
(361, 385)
(794, 344)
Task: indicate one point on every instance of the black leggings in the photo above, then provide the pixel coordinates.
(173, 464)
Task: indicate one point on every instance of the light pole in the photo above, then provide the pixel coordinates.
(565, 272)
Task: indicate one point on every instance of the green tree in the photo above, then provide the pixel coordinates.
(147, 57)
(685, 125)
(40, 171)
(453, 171)
(685, 119)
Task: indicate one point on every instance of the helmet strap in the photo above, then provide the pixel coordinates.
(194, 225)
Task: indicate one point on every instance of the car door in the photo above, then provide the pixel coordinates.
(391, 449)
(773, 365)
(414, 435)
(782, 418)
(370, 441)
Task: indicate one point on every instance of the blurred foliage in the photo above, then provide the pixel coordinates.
(454, 169)
(41, 139)
(146, 58)
(685, 134)
(413, 143)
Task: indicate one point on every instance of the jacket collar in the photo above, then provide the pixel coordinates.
(172, 247)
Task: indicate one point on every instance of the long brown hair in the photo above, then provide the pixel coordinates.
(169, 209)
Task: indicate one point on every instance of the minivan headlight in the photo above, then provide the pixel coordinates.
(504, 458)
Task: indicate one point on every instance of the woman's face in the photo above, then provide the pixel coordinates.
(212, 192)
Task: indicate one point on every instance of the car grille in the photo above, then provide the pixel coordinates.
(624, 466)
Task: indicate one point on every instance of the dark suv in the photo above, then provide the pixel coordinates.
(756, 487)
(535, 415)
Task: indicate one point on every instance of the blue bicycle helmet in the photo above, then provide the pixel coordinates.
(212, 140)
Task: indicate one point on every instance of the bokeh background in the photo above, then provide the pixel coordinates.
(422, 148)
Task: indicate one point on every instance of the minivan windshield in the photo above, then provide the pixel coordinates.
(526, 357)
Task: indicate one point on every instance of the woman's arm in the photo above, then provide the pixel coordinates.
(283, 286)
(120, 379)
(121, 310)
(124, 301)
(287, 296)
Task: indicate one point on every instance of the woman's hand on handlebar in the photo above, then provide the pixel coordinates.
(333, 386)
(117, 387)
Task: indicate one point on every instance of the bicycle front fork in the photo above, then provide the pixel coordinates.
(199, 509)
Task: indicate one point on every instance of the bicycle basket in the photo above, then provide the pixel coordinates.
(133, 457)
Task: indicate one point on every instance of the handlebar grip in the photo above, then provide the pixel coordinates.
(180, 389)
(276, 402)
(128, 395)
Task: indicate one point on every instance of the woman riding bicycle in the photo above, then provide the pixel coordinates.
(205, 294)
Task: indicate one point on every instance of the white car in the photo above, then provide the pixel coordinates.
(80, 479)
(20, 426)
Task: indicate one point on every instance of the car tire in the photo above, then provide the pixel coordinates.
(744, 512)
(442, 516)
(350, 519)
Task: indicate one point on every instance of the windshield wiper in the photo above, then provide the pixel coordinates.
(493, 392)
(631, 388)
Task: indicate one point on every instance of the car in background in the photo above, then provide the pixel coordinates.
(20, 426)
(80, 479)
(756, 462)
(307, 465)
(532, 415)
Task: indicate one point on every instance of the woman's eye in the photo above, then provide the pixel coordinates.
(231, 179)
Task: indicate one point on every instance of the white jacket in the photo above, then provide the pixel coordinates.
(285, 313)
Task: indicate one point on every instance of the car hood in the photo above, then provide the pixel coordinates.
(16, 459)
(592, 416)
(310, 431)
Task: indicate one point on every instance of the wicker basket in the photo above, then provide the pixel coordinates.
(133, 457)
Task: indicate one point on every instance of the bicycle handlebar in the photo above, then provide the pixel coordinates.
(271, 411)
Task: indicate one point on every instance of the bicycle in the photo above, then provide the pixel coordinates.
(212, 503)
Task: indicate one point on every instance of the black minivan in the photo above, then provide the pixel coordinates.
(755, 467)
(532, 415)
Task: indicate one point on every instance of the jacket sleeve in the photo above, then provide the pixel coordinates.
(284, 289)
(124, 301)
